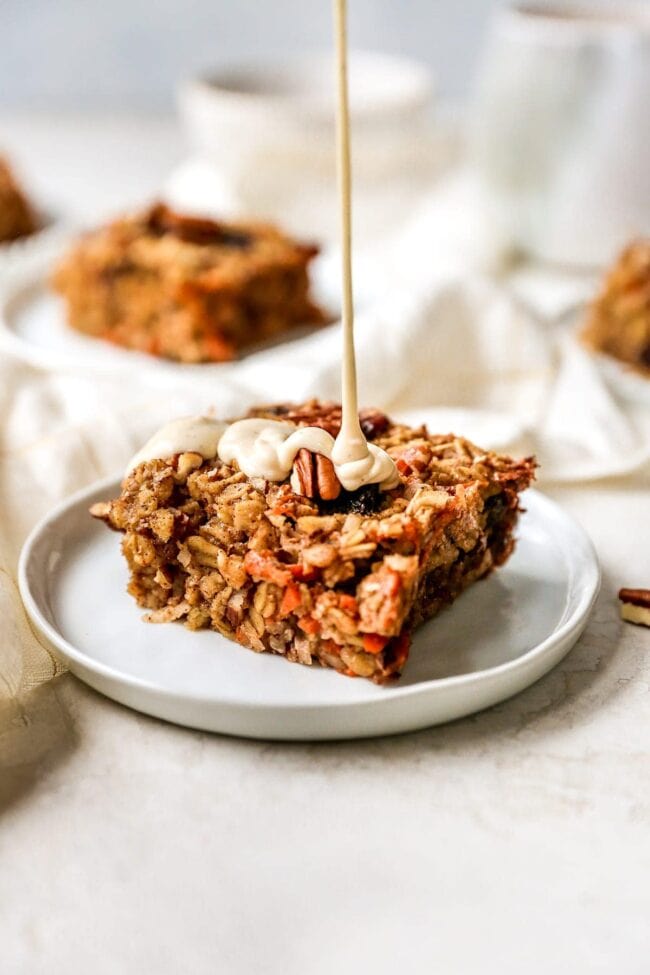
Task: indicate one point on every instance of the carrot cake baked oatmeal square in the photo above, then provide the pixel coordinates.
(187, 288)
(302, 567)
(618, 322)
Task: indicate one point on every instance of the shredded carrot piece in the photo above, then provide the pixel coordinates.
(290, 600)
(308, 624)
(262, 565)
(348, 603)
(217, 349)
(374, 643)
(299, 571)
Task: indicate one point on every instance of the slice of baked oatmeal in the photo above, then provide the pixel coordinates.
(618, 322)
(335, 577)
(187, 288)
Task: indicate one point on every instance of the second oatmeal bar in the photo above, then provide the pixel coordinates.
(17, 217)
(342, 582)
(187, 288)
(618, 321)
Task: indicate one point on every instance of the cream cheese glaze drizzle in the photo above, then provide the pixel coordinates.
(267, 448)
(189, 434)
(264, 448)
(351, 445)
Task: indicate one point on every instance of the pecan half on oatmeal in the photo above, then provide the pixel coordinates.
(314, 476)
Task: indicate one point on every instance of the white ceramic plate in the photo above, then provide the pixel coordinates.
(31, 251)
(33, 324)
(499, 637)
(623, 380)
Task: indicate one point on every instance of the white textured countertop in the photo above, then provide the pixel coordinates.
(513, 841)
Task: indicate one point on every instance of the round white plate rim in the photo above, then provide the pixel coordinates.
(620, 377)
(563, 636)
(30, 284)
(28, 281)
(623, 379)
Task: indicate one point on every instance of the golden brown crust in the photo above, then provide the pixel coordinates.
(17, 218)
(618, 322)
(187, 288)
(342, 582)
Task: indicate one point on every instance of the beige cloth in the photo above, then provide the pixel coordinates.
(439, 333)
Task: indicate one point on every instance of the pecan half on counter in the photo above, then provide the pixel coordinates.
(634, 605)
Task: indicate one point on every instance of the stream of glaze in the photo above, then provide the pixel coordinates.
(267, 448)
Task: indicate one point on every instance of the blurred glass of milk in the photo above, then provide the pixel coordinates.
(561, 128)
(263, 141)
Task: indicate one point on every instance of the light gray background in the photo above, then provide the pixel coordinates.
(67, 54)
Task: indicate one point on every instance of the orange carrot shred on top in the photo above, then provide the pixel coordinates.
(374, 643)
(290, 600)
(304, 572)
(348, 603)
(309, 625)
(217, 348)
(262, 565)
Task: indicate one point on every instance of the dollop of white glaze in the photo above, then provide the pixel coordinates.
(196, 434)
(268, 448)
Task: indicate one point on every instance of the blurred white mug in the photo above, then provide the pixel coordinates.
(263, 140)
(562, 127)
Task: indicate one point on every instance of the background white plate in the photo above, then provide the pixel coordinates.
(33, 322)
(36, 249)
(502, 635)
(630, 385)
